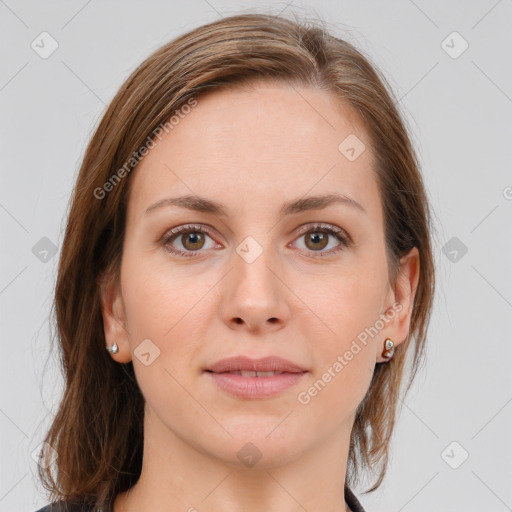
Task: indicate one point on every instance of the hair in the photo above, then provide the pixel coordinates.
(97, 431)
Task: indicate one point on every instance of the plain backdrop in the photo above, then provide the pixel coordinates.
(449, 64)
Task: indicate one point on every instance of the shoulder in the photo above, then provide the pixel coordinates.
(352, 501)
(64, 506)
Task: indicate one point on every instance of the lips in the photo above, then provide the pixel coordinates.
(248, 367)
(248, 373)
(251, 379)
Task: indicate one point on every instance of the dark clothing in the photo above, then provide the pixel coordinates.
(67, 506)
(351, 500)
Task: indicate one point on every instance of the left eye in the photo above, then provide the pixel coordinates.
(192, 239)
(317, 239)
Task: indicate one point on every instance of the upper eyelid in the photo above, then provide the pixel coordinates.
(320, 225)
(301, 230)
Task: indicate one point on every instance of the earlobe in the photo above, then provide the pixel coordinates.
(404, 293)
(112, 310)
(113, 349)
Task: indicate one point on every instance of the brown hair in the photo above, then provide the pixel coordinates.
(98, 429)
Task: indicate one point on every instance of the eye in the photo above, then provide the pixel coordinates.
(191, 237)
(317, 238)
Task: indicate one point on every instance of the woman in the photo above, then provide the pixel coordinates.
(249, 237)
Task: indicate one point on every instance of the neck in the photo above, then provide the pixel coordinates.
(180, 476)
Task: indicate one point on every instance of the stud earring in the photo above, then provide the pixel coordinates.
(114, 349)
(389, 349)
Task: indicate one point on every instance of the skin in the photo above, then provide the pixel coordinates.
(252, 150)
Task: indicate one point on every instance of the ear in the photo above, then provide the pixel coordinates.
(114, 325)
(400, 302)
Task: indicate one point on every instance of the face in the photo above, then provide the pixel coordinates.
(254, 279)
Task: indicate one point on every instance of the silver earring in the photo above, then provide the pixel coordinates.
(389, 348)
(114, 349)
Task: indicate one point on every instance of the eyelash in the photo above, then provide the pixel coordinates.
(171, 235)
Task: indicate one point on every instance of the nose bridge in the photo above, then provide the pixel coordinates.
(253, 269)
(255, 295)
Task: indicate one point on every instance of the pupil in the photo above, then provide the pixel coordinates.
(191, 240)
(318, 239)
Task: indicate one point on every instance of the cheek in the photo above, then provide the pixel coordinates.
(344, 354)
(341, 335)
(159, 300)
(170, 308)
(164, 316)
(343, 303)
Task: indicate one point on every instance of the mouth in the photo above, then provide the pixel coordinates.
(246, 378)
(249, 373)
(249, 367)
(252, 385)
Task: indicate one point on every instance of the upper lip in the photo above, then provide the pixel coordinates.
(264, 364)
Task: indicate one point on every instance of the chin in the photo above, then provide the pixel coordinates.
(259, 445)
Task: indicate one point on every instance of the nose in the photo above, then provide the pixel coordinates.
(254, 295)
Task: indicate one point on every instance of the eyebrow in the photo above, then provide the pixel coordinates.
(201, 204)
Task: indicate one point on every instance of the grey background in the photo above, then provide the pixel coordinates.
(459, 111)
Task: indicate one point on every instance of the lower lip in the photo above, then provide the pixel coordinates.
(255, 387)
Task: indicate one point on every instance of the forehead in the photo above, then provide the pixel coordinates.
(263, 145)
